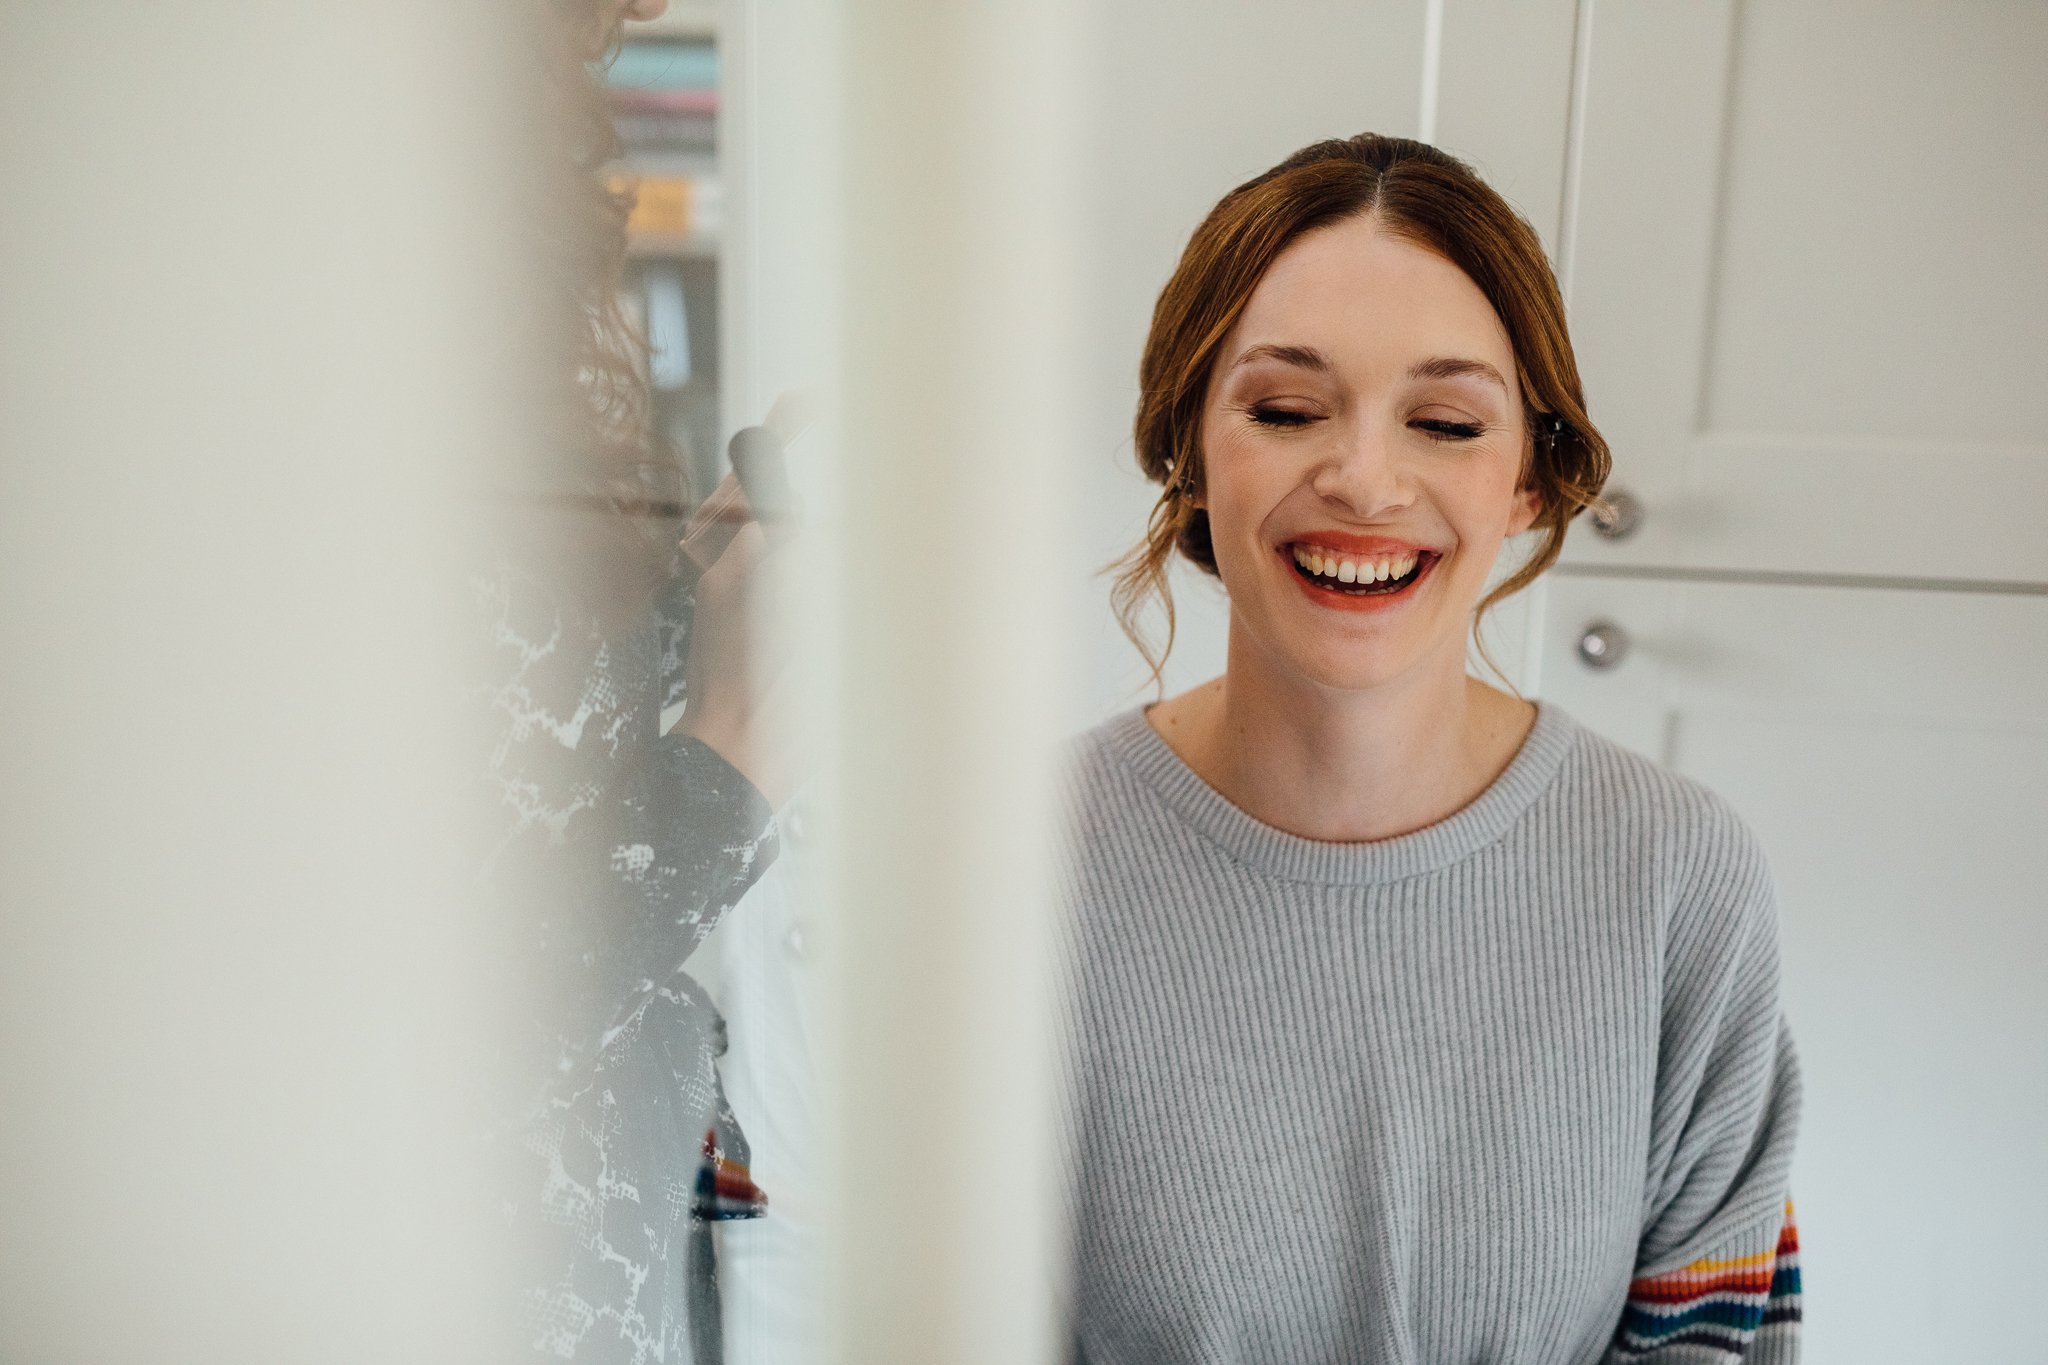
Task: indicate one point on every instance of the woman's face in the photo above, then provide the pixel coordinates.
(1363, 445)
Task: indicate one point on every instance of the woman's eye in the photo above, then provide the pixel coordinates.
(1279, 417)
(1441, 429)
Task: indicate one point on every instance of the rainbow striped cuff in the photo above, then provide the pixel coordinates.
(1722, 1305)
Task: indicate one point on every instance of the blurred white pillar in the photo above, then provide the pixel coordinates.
(957, 328)
(253, 339)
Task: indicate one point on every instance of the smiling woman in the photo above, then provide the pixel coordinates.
(1425, 200)
(1409, 1020)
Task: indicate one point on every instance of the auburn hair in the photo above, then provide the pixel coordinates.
(1413, 191)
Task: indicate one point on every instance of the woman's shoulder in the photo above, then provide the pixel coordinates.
(1094, 762)
(1100, 743)
(1123, 798)
(1632, 782)
(1700, 845)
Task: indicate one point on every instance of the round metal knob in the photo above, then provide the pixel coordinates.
(1617, 515)
(1602, 645)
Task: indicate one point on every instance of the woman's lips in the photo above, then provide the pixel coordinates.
(1357, 573)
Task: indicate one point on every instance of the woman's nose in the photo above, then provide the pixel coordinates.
(1364, 473)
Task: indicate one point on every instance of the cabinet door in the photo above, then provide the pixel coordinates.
(1891, 749)
(1806, 282)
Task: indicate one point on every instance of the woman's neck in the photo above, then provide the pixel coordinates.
(1344, 767)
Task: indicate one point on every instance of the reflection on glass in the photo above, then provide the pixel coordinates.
(635, 759)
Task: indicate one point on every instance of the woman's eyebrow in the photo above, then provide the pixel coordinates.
(1306, 357)
(1454, 367)
(1436, 367)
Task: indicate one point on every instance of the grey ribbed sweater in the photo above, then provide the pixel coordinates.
(1493, 1091)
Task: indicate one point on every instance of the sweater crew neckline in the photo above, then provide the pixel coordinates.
(1480, 822)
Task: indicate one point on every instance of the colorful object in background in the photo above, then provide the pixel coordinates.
(725, 1189)
(663, 103)
(668, 328)
(662, 204)
(668, 205)
(658, 64)
(658, 79)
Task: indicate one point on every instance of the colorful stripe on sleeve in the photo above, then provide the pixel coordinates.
(1721, 1304)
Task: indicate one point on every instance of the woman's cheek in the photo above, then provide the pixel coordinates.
(1238, 510)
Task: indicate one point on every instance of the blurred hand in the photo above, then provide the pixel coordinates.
(741, 688)
(645, 9)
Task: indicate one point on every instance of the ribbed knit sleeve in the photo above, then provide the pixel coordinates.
(1716, 1274)
(1741, 1304)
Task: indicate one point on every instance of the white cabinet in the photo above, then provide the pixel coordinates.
(1890, 747)
(1807, 283)
(1804, 242)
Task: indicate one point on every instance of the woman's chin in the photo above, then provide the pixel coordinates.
(1363, 656)
(1352, 666)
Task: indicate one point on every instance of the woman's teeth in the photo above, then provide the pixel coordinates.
(1354, 569)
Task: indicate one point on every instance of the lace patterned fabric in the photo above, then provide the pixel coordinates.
(633, 845)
